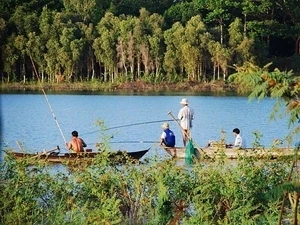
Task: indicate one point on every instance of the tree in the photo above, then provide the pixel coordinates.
(291, 21)
(141, 33)
(180, 12)
(173, 59)
(89, 10)
(10, 57)
(240, 45)
(35, 49)
(125, 46)
(193, 50)
(216, 12)
(105, 45)
(156, 42)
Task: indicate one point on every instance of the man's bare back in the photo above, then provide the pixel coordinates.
(76, 144)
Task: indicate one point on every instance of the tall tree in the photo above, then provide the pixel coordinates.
(105, 45)
(125, 47)
(240, 45)
(88, 10)
(173, 59)
(181, 11)
(141, 33)
(193, 50)
(217, 12)
(221, 57)
(156, 42)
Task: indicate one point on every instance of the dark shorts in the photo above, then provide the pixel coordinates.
(169, 145)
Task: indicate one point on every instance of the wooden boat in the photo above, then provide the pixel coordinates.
(232, 153)
(57, 157)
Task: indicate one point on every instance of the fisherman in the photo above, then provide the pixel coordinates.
(76, 144)
(167, 137)
(185, 115)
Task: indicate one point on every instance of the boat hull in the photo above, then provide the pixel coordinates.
(232, 153)
(119, 156)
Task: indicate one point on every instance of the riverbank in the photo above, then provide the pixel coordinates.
(127, 87)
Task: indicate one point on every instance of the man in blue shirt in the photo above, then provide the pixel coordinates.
(167, 137)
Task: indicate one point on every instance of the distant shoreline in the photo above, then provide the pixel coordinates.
(127, 87)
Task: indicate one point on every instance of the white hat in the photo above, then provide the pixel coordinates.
(184, 101)
(165, 126)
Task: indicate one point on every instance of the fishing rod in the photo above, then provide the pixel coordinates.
(125, 142)
(135, 124)
(52, 112)
(128, 142)
(132, 124)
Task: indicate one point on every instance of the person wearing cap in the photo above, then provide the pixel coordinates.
(167, 137)
(185, 115)
(76, 144)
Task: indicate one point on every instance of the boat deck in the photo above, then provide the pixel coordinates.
(233, 153)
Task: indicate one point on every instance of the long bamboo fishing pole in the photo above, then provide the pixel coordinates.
(52, 112)
(129, 125)
(129, 142)
(135, 124)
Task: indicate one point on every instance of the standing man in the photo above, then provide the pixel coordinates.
(167, 137)
(186, 115)
(76, 144)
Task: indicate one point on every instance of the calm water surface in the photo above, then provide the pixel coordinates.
(27, 118)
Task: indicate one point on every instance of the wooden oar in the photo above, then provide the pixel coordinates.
(46, 152)
(188, 135)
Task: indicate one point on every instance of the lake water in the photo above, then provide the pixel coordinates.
(28, 120)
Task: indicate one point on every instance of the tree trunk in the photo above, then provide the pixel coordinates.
(138, 66)
(23, 72)
(221, 31)
(245, 25)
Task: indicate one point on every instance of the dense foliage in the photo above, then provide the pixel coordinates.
(111, 41)
(158, 192)
(281, 85)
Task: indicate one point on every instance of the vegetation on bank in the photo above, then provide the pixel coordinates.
(140, 86)
(158, 192)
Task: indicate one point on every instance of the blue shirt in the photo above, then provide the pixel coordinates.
(169, 138)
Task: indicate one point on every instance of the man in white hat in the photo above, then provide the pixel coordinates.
(167, 137)
(185, 115)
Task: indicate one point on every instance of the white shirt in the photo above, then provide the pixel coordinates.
(238, 141)
(186, 115)
(163, 135)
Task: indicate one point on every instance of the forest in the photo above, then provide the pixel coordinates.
(129, 40)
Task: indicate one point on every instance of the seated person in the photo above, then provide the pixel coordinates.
(167, 137)
(76, 144)
(238, 143)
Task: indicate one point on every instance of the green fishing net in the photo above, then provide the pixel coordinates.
(189, 152)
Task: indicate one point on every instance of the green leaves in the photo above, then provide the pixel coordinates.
(281, 85)
(158, 192)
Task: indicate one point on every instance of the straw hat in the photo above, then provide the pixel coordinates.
(165, 126)
(184, 101)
